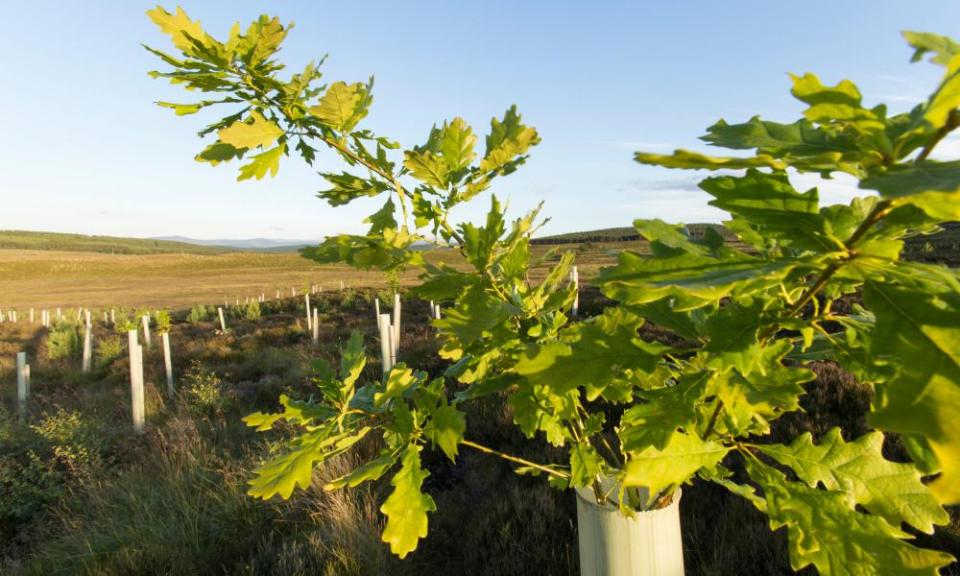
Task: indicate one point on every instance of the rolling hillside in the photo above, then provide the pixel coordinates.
(24, 240)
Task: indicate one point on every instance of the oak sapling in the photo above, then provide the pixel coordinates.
(747, 323)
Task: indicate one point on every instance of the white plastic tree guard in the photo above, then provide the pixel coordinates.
(575, 280)
(87, 347)
(145, 319)
(376, 311)
(396, 326)
(386, 343)
(167, 361)
(23, 383)
(306, 298)
(611, 544)
(315, 326)
(223, 324)
(136, 382)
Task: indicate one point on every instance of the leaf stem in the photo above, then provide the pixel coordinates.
(953, 121)
(515, 459)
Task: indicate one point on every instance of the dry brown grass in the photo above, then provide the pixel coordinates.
(49, 279)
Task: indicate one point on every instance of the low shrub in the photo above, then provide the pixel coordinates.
(199, 314)
(108, 350)
(63, 340)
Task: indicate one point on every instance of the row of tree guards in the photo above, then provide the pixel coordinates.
(388, 326)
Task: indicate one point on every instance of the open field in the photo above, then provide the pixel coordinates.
(48, 279)
(26, 240)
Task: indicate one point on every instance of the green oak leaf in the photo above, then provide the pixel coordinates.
(659, 468)
(343, 105)
(823, 530)
(919, 330)
(932, 186)
(457, 141)
(748, 403)
(771, 206)
(508, 142)
(218, 152)
(427, 167)
(446, 428)
(347, 187)
(943, 48)
(372, 470)
(254, 132)
(182, 31)
(262, 163)
(889, 489)
(694, 280)
(697, 161)
(585, 464)
(596, 352)
(660, 413)
(406, 508)
(283, 473)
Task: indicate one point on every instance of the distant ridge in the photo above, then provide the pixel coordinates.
(624, 234)
(257, 244)
(28, 240)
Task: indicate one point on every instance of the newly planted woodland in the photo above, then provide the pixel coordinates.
(777, 395)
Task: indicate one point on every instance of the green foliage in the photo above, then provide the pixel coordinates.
(63, 340)
(200, 313)
(108, 350)
(61, 447)
(204, 391)
(252, 310)
(744, 323)
(161, 321)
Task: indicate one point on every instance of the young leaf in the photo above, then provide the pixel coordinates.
(919, 329)
(681, 458)
(281, 475)
(456, 144)
(823, 530)
(426, 167)
(372, 470)
(342, 106)
(179, 27)
(585, 464)
(262, 163)
(407, 507)
(858, 469)
(446, 428)
(256, 132)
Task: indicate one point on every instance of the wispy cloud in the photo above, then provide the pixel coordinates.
(646, 185)
(637, 145)
(911, 98)
(892, 78)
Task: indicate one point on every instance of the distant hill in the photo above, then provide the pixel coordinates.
(624, 234)
(255, 244)
(25, 240)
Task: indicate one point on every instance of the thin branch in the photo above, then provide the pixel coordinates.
(516, 459)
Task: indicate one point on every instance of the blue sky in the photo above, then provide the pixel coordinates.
(86, 150)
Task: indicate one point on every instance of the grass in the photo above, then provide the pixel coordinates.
(23, 240)
(49, 279)
(83, 495)
(173, 501)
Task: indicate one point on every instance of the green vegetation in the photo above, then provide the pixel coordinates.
(23, 240)
(740, 330)
(627, 234)
(64, 340)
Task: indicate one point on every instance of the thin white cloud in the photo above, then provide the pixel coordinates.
(637, 145)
